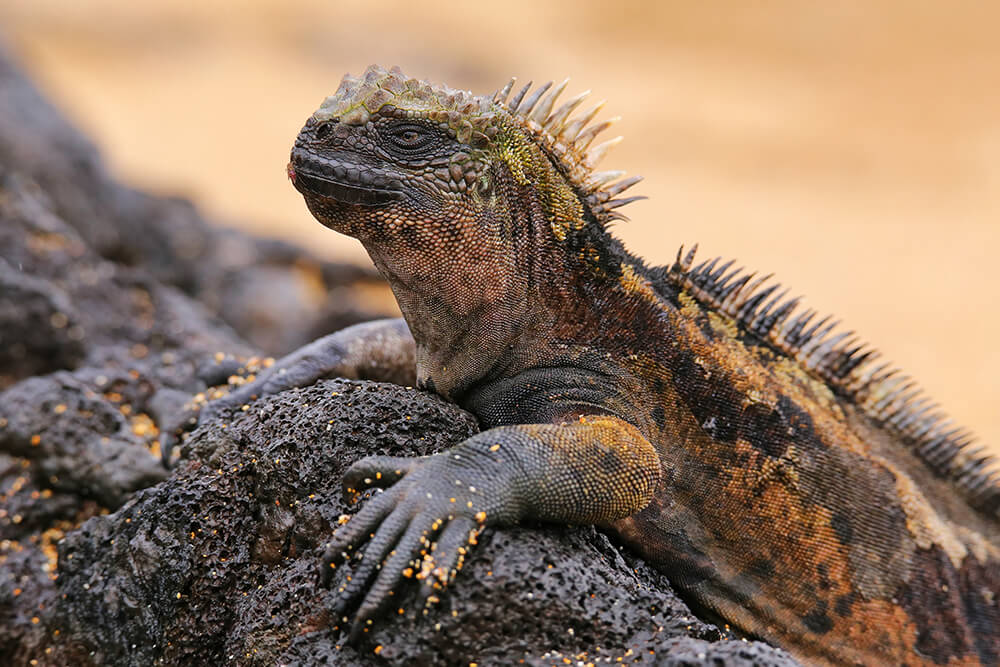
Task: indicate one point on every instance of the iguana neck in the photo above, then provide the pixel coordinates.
(483, 305)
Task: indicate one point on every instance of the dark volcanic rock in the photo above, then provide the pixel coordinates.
(221, 559)
(277, 295)
(115, 307)
(219, 562)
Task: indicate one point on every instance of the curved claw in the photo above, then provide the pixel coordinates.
(233, 400)
(191, 418)
(376, 472)
(447, 557)
(378, 549)
(270, 379)
(378, 350)
(394, 569)
(171, 432)
(356, 531)
(189, 415)
(443, 495)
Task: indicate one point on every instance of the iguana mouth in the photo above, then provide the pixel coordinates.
(378, 191)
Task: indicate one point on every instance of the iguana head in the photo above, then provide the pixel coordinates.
(476, 209)
(387, 156)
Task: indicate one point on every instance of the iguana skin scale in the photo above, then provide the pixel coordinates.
(777, 478)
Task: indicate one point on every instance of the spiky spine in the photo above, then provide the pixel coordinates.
(847, 366)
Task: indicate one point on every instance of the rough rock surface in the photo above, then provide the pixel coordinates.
(113, 305)
(220, 560)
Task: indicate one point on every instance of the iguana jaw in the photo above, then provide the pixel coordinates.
(337, 178)
(344, 193)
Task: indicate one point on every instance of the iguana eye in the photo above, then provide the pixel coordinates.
(409, 137)
(323, 130)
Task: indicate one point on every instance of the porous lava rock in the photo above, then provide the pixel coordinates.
(219, 562)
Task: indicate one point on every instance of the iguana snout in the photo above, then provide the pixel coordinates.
(332, 162)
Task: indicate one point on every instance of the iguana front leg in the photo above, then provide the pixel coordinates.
(381, 350)
(593, 470)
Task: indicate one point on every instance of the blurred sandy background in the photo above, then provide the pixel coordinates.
(854, 150)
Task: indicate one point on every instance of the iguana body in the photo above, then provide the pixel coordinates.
(765, 464)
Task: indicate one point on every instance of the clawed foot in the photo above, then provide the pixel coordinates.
(420, 525)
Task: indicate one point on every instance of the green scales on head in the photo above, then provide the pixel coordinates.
(551, 148)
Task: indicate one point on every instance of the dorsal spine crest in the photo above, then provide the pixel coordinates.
(848, 366)
(566, 140)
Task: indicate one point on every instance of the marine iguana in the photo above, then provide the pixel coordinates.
(783, 477)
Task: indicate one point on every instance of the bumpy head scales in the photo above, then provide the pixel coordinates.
(565, 136)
